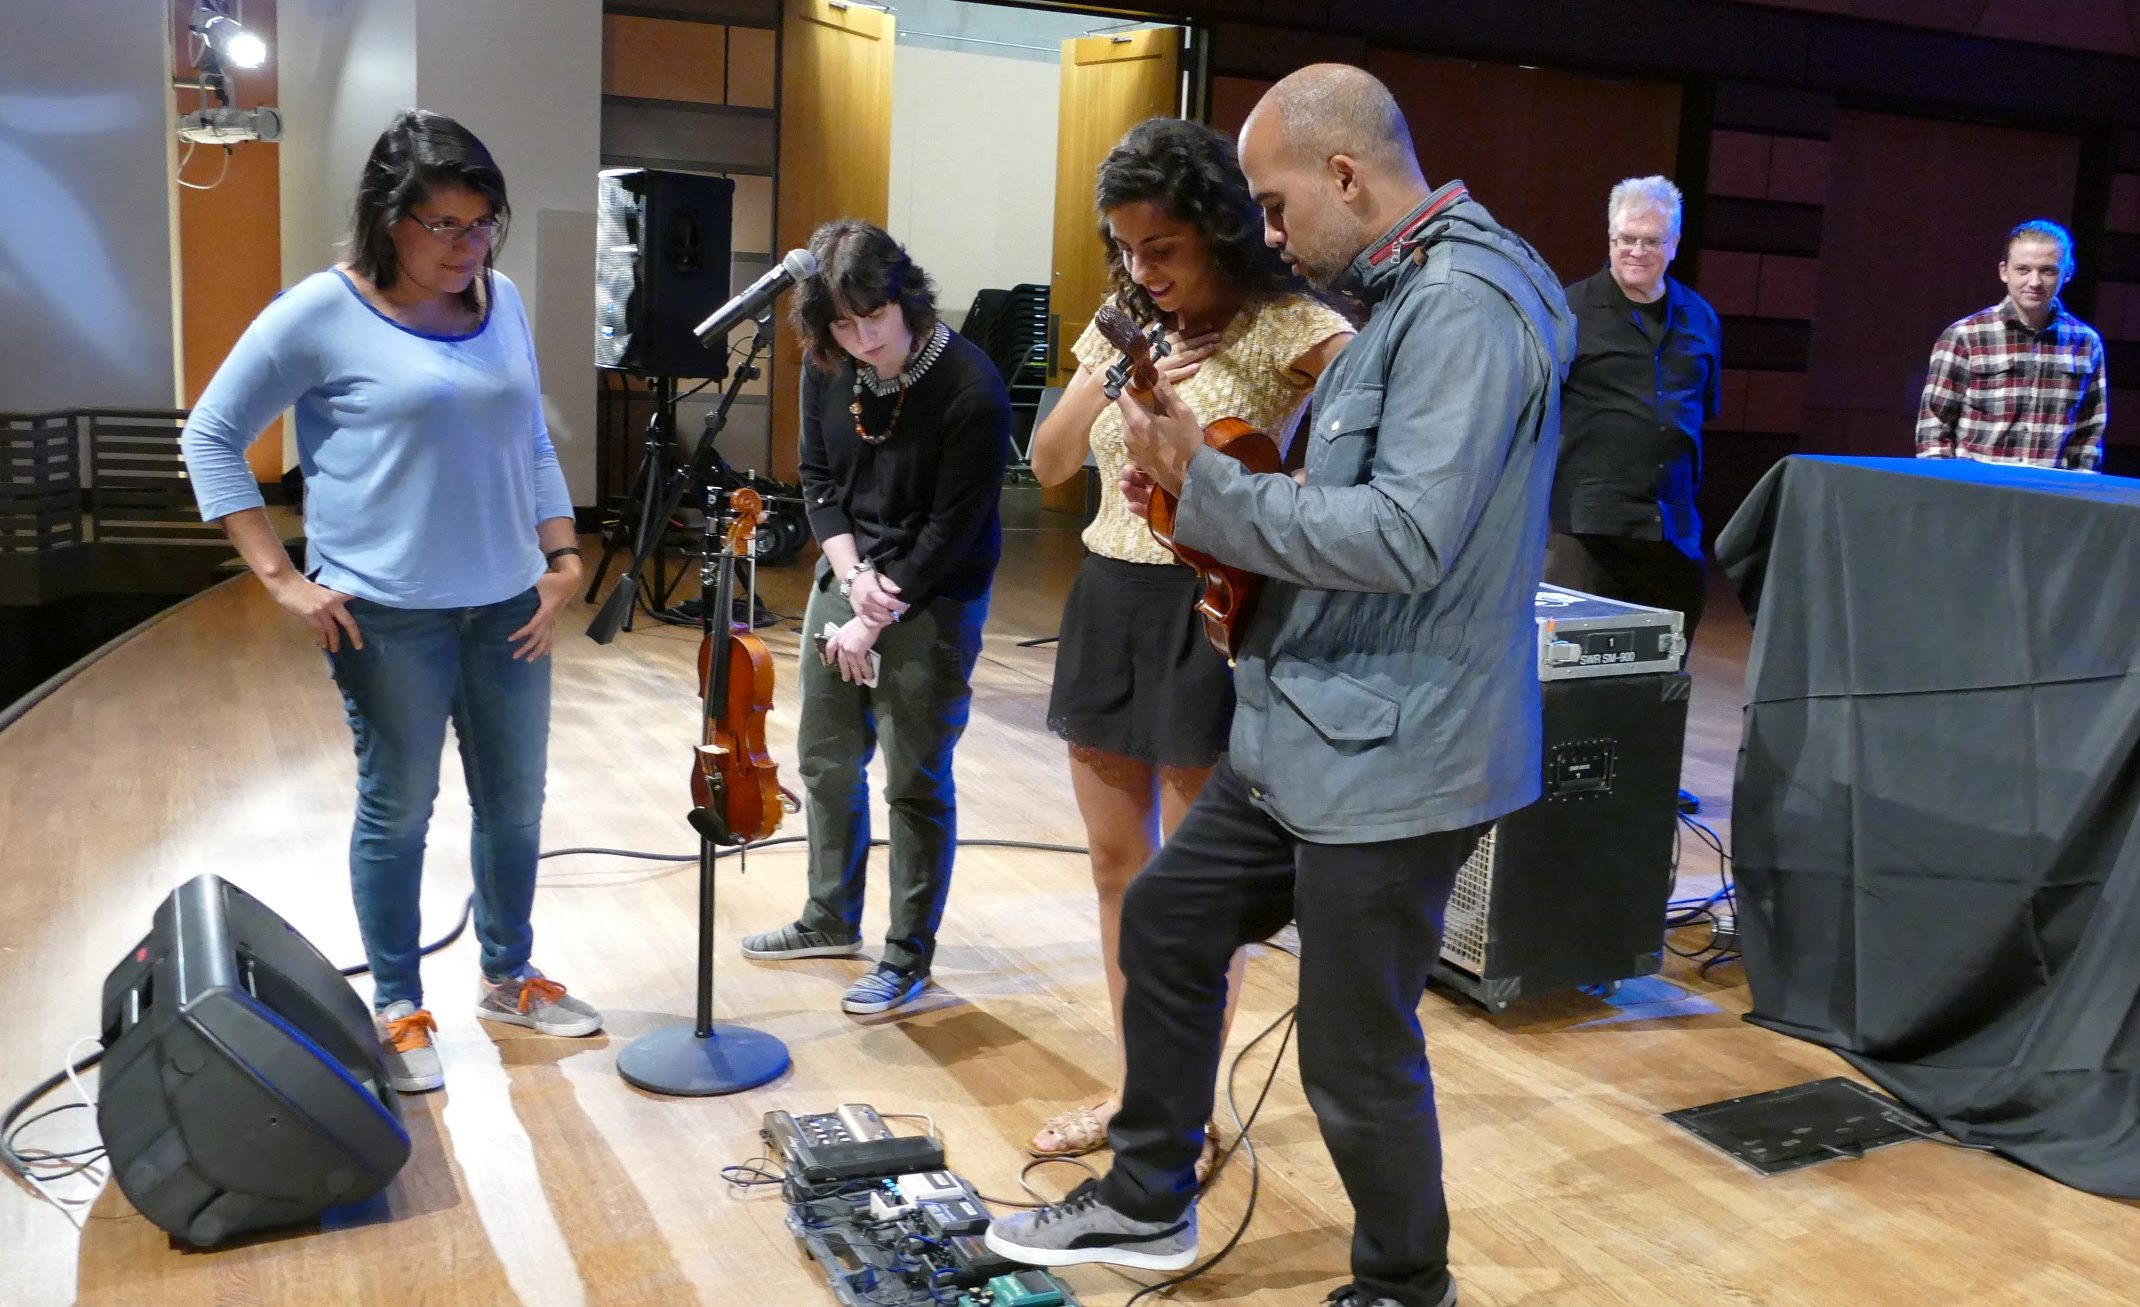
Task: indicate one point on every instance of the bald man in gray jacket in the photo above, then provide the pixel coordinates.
(1388, 691)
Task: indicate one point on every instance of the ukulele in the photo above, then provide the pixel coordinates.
(1229, 596)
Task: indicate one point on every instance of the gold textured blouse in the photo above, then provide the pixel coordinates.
(1249, 376)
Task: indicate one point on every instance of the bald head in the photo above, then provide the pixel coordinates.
(1329, 158)
(1331, 109)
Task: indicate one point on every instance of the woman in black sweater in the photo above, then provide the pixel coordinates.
(905, 431)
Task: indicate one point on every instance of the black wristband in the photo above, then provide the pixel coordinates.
(556, 554)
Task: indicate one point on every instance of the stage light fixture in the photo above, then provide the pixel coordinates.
(227, 37)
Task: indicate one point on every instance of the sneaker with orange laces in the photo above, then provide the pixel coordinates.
(412, 1064)
(537, 1002)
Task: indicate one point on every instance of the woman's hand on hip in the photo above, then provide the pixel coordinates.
(324, 611)
(552, 590)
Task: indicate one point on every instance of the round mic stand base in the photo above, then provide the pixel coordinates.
(704, 1058)
(681, 1062)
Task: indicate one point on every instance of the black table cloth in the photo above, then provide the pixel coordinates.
(1937, 806)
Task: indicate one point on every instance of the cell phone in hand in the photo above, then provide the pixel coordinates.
(876, 660)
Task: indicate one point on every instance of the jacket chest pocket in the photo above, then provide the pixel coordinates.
(1346, 425)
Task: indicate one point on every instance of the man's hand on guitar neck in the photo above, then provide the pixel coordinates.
(1162, 438)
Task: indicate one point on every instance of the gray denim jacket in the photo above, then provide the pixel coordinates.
(1387, 686)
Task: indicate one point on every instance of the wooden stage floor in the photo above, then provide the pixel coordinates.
(214, 742)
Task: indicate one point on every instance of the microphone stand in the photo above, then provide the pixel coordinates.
(705, 1057)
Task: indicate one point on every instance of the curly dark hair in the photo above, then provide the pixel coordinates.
(1193, 173)
(860, 268)
(420, 150)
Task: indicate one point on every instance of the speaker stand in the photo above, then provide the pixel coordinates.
(660, 502)
(705, 1058)
(656, 494)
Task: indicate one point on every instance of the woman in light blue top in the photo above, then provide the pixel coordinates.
(440, 550)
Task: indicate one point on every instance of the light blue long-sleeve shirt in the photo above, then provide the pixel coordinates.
(426, 458)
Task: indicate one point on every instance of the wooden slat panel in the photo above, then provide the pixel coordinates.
(661, 59)
(753, 67)
(40, 482)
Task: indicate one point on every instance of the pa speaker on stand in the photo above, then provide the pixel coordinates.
(661, 264)
(242, 1086)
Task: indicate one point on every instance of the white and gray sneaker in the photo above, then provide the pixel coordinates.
(1082, 1229)
(412, 1065)
(882, 988)
(794, 940)
(537, 1002)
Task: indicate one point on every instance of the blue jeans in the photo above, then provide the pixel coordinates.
(418, 669)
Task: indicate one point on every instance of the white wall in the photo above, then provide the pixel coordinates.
(523, 75)
(973, 168)
(86, 251)
(344, 68)
(526, 76)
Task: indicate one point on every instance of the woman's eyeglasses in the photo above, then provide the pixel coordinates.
(482, 229)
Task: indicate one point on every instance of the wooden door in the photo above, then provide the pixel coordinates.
(835, 153)
(1109, 85)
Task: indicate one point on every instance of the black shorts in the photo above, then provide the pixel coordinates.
(1134, 675)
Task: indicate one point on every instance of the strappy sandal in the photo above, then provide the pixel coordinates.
(1082, 1130)
(1207, 1161)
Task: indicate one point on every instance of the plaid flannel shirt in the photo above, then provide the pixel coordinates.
(1998, 392)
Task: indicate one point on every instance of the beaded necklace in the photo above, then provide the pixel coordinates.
(918, 364)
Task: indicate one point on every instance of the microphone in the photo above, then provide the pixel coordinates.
(797, 265)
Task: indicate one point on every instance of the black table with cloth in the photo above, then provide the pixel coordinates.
(1937, 808)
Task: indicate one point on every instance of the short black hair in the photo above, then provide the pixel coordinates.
(860, 268)
(1192, 172)
(420, 151)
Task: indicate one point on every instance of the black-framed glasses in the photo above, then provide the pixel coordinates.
(446, 229)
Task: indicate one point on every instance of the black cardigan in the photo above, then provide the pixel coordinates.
(922, 505)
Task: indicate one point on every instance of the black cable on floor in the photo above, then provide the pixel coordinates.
(22, 1166)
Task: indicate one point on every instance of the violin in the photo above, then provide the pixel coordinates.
(734, 781)
(1229, 596)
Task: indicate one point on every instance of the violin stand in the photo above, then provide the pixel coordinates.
(704, 1058)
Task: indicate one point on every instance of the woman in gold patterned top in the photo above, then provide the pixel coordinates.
(1143, 700)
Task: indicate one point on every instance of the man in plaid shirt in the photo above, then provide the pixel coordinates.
(2022, 381)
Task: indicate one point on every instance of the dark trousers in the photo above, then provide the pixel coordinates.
(1653, 573)
(1370, 920)
(924, 689)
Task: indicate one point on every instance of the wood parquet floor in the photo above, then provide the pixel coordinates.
(213, 742)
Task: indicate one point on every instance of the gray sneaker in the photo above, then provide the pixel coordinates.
(537, 1002)
(412, 1064)
(882, 988)
(1082, 1229)
(793, 941)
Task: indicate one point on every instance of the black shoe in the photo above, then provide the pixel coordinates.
(1352, 1295)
